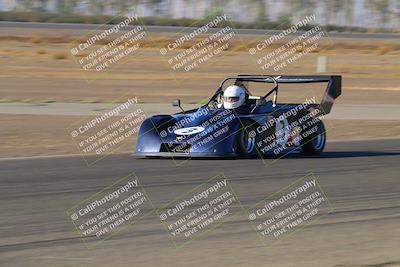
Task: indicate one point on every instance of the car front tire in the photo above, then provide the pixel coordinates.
(246, 141)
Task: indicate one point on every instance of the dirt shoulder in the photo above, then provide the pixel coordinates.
(37, 66)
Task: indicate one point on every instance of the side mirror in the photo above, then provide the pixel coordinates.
(177, 103)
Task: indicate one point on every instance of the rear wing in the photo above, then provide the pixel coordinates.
(333, 89)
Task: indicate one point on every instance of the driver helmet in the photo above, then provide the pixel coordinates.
(234, 97)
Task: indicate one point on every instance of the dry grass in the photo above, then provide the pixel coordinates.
(36, 40)
(25, 65)
(60, 55)
(383, 50)
(238, 44)
(41, 52)
(8, 100)
(90, 101)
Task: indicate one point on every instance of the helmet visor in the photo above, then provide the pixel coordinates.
(231, 99)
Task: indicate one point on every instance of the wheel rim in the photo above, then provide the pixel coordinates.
(319, 140)
(249, 142)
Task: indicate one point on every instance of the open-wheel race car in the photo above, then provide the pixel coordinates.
(234, 122)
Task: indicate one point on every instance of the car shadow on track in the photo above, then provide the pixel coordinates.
(329, 154)
(346, 154)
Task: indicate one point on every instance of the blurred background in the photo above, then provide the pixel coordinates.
(366, 14)
(43, 84)
(45, 90)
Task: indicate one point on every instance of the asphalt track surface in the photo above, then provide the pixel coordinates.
(177, 29)
(360, 178)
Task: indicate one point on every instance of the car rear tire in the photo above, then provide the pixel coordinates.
(246, 141)
(314, 144)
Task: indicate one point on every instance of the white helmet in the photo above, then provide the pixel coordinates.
(234, 97)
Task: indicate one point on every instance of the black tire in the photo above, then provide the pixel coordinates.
(246, 141)
(314, 144)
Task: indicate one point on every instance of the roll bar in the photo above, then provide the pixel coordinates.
(333, 90)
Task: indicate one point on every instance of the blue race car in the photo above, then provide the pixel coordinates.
(236, 123)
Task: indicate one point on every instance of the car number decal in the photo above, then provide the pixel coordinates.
(189, 130)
